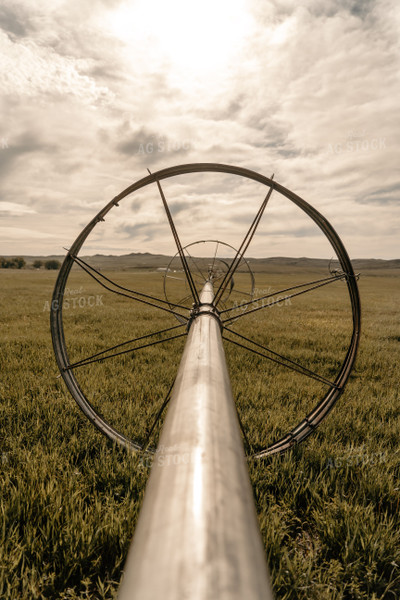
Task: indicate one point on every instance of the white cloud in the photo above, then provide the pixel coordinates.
(27, 70)
(13, 209)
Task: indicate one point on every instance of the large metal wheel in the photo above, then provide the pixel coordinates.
(188, 273)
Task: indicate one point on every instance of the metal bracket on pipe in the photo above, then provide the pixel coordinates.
(204, 308)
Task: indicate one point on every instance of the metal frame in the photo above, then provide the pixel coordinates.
(315, 417)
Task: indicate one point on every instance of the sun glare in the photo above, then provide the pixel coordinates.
(191, 37)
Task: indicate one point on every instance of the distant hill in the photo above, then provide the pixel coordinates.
(376, 263)
(151, 262)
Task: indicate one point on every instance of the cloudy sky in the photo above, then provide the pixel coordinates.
(94, 92)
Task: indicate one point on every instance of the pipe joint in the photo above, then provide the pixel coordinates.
(204, 308)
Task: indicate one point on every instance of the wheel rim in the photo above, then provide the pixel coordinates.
(313, 419)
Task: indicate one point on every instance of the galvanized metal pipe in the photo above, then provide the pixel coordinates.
(197, 537)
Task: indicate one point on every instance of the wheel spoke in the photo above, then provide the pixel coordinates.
(88, 269)
(215, 256)
(325, 281)
(155, 298)
(89, 360)
(178, 244)
(248, 446)
(196, 265)
(289, 364)
(243, 247)
(133, 341)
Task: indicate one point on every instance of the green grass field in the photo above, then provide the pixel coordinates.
(328, 510)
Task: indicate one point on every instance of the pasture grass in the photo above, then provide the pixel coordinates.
(328, 510)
